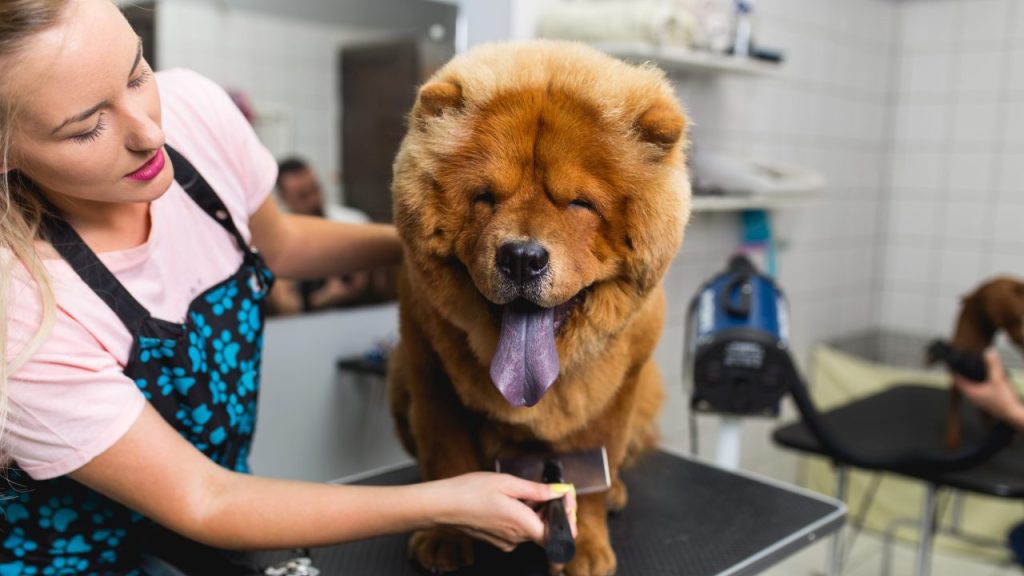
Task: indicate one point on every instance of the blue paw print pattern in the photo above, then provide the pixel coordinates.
(226, 352)
(222, 299)
(249, 322)
(64, 565)
(73, 546)
(19, 544)
(198, 336)
(16, 512)
(206, 388)
(17, 568)
(110, 537)
(218, 388)
(268, 280)
(155, 348)
(143, 385)
(249, 381)
(57, 514)
(175, 379)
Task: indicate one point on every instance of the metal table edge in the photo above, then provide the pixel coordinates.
(792, 543)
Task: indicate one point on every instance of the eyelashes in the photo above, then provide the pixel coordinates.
(92, 134)
(101, 125)
(140, 80)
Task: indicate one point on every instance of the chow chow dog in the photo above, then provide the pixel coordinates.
(995, 305)
(541, 192)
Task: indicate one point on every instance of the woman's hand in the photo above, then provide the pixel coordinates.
(996, 396)
(499, 508)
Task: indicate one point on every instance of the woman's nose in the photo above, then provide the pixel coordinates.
(143, 132)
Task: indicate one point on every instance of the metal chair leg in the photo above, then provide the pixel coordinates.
(926, 532)
(835, 555)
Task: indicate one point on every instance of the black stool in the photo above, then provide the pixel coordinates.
(908, 418)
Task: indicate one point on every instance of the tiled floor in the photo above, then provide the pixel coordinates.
(866, 560)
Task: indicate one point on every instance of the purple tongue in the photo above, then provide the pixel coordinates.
(526, 362)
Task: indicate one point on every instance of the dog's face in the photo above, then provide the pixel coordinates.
(541, 193)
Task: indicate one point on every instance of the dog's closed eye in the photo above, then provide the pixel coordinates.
(586, 205)
(485, 196)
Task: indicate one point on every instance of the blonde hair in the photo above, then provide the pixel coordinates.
(20, 210)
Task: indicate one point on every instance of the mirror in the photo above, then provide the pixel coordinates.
(326, 85)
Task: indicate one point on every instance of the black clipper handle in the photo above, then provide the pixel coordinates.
(559, 544)
(970, 366)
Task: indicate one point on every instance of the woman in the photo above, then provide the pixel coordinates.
(132, 300)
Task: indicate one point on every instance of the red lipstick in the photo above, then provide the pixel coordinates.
(151, 168)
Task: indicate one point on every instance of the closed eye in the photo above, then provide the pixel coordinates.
(141, 79)
(585, 204)
(485, 197)
(91, 134)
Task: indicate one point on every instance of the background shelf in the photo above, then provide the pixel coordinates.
(732, 203)
(682, 60)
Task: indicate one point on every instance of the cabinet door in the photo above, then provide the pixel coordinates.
(316, 422)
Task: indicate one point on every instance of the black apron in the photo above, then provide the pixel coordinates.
(202, 376)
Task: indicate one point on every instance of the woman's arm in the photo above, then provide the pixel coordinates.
(308, 247)
(156, 472)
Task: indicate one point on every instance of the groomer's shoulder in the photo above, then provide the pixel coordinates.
(202, 122)
(192, 102)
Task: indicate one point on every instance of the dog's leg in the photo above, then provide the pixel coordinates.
(436, 429)
(398, 396)
(445, 447)
(594, 555)
(953, 419)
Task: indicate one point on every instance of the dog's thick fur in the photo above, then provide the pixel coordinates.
(997, 304)
(561, 145)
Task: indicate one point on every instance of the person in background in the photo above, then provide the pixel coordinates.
(138, 241)
(301, 193)
(998, 398)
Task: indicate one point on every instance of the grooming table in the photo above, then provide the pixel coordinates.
(683, 518)
(906, 418)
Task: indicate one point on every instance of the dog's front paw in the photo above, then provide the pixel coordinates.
(617, 496)
(441, 552)
(592, 558)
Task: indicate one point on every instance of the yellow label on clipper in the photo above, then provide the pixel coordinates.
(562, 488)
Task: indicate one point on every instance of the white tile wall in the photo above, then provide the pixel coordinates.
(957, 183)
(827, 110)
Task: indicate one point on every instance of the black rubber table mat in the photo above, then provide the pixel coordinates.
(913, 417)
(683, 518)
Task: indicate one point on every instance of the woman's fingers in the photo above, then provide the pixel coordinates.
(996, 371)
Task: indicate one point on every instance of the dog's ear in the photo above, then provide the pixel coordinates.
(662, 124)
(436, 97)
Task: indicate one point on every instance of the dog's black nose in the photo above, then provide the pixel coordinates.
(521, 262)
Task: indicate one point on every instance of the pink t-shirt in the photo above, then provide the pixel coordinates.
(71, 401)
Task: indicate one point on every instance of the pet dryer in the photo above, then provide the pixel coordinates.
(737, 351)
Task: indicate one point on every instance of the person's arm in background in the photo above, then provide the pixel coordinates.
(338, 290)
(284, 298)
(156, 472)
(308, 247)
(997, 395)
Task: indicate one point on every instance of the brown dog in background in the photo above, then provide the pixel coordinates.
(541, 192)
(996, 305)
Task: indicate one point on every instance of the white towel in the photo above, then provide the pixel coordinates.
(654, 22)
